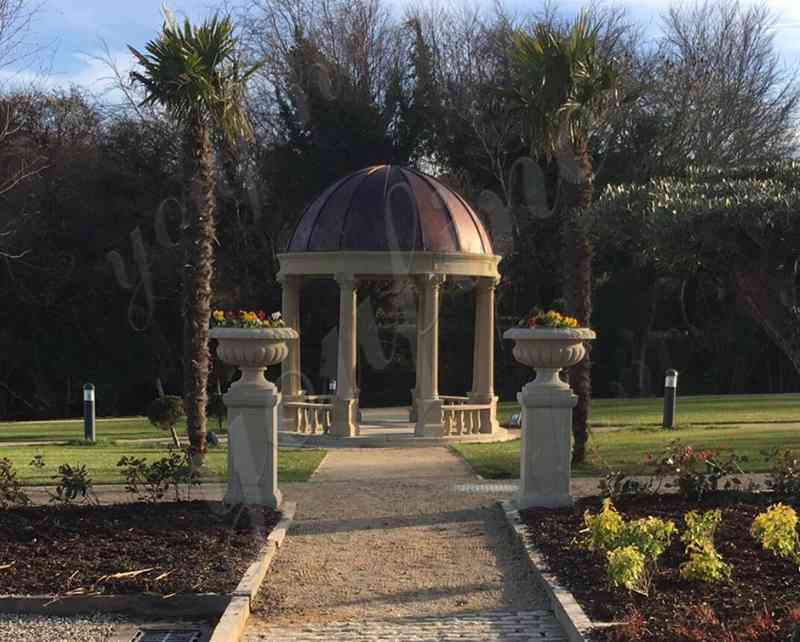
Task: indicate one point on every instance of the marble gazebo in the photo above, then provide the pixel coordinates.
(389, 222)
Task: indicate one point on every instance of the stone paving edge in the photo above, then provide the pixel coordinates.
(233, 621)
(568, 612)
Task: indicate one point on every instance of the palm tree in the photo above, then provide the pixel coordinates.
(195, 75)
(563, 85)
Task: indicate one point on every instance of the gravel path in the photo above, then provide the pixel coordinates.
(383, 534)
(35, 628)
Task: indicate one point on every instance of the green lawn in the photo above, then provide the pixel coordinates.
(65, 430)
(101, 461)
(627, 449)
(721, 409)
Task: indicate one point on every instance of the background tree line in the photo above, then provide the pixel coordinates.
(91, 195)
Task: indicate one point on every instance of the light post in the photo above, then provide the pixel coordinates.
(89, 431)
(670, 395)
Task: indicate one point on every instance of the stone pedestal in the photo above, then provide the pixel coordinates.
(253, 443)
(545, 458)
(547, 403)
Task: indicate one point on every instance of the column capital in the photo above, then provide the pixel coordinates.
(289, 279)
(431, 279)
(486, 283)
(346, 280)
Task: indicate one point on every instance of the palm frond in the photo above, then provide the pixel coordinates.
(562, 81)
(196, 75)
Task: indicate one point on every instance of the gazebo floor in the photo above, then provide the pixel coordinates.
(386, 428)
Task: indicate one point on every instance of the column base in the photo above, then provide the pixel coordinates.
(429, 418)
(345, 418)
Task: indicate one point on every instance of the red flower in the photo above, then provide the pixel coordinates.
(531, 322)
(229, 314)
(262, 316)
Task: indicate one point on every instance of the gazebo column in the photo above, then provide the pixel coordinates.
(483, 354)
(291, 374)
(419, 321)
(345, 406)
(429, 406)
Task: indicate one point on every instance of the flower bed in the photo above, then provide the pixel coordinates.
(759, 603)
(163, 548)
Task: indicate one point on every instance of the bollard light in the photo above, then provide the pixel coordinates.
(670, 395)
(89, 433)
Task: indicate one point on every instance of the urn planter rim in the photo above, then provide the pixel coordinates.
(253, 333)
(548, 334)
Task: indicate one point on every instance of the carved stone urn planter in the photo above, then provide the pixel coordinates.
(548, 351)
(547, 403)
(252, 403)
(253, 350)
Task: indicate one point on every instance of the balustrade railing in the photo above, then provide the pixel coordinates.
(463, 418)
(313, 416)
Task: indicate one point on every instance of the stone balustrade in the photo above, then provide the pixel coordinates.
(462, 418)
(313, 416)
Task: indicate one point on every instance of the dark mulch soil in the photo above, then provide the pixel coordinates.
(190, 547)
(677, 609)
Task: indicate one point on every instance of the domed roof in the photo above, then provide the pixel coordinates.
(389, 208)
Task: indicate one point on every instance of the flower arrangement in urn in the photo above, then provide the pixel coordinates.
(550, 319)
(549, 341)
(252, 341)
(245, 319)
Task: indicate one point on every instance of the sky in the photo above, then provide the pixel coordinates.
(70, 36)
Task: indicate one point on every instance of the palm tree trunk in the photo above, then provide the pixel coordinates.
(198, 271)
(577, 253)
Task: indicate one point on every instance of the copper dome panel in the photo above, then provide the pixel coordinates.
(390, 208)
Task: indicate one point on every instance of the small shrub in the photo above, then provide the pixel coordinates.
(74, 484)
(700, 528)
(164, 412)
(151, 481)
(604, 528)
(697, 472)
(608, 530)
(761, 625)
(11, 493)
(633, 629)
(632, 549)
(627, 569)
(705, 564)
(650, 535)
(784, 476)
(776, 530)
(616, 484)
